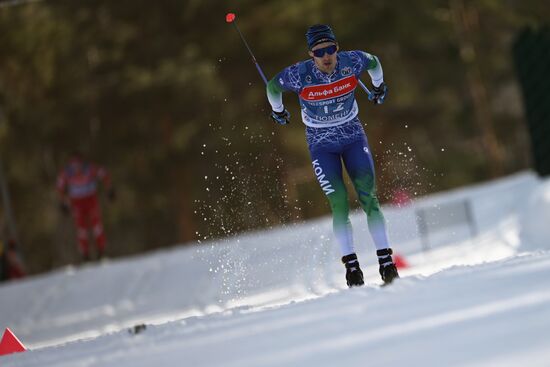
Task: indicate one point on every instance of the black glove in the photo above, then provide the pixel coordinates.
(282, 118)
(111, 194)
(378, 94)
(64, 207)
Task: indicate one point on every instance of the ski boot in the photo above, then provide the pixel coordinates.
(388, 271)
(354, 275)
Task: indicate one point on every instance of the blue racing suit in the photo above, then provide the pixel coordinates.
(334, 135)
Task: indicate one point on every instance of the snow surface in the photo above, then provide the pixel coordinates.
(278, 298)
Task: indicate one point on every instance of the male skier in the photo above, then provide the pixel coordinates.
(77, 187)
(325, 85)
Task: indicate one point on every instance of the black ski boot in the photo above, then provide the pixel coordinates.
(354, 275)
(388, 271)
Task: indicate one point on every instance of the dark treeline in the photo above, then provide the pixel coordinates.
(164, 94)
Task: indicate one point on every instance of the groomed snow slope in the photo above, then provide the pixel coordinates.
(278, 298)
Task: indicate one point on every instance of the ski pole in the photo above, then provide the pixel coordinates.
(230, 18)
(365, 89)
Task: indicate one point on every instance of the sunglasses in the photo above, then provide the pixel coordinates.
(320, 52)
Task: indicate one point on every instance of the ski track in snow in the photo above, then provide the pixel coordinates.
(480, 302)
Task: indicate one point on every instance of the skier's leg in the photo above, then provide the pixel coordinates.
(327, 167)
(360, 166)
(97, 226)
(81, 223)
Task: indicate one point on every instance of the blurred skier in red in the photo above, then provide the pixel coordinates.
(77, 185)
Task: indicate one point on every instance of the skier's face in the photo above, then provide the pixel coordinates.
(76, 163)
(326, 63)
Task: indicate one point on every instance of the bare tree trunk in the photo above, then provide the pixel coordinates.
(466, 25)
(181, 195)
(6, 199)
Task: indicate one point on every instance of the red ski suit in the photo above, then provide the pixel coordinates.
(77, 183)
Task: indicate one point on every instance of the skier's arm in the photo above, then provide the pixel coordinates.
(105, 178)
(275, 88)
(374, 68)
(275, 95)
(286, 80)
(61, 186)
(62, 189)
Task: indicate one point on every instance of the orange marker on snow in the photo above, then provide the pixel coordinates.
(10, 344)
(400, 262)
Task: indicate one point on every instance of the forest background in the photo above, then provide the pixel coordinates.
(165, 96)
